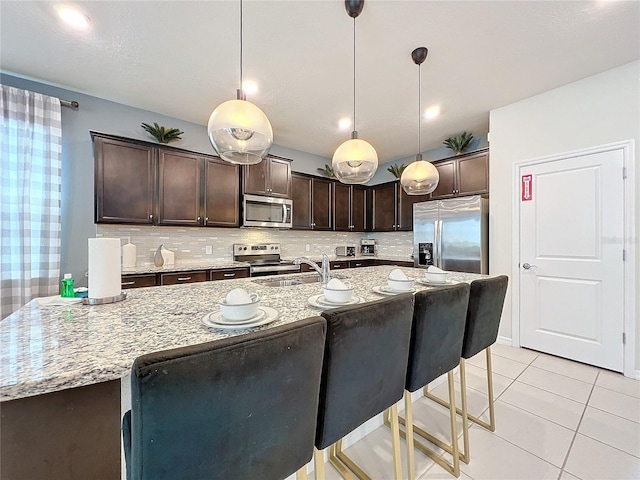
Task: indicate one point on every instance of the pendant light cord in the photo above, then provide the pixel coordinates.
(354, 74)
(419, 107)
(241, 87)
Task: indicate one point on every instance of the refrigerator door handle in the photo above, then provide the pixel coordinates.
(438, 243)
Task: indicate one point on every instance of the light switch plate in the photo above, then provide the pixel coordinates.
(208, 249)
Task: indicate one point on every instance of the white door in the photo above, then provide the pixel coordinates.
(571, 258)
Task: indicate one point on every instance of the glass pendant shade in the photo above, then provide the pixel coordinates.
(240, 132)
(420, 177)
(354, 162)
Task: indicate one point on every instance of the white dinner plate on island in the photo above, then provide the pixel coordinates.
(264, 316)
(319, 301)
(424, 281)
(385, 290)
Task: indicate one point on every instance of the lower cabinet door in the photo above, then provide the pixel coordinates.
(135, 281)
(228, 273)
(183, 277)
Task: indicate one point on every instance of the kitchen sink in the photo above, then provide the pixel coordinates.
(293, 280)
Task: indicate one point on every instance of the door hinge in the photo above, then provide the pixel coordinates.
(624, 255)
(624, 338)
(624, 172)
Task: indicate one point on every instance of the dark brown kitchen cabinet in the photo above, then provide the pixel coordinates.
(393, 208)
(179, 190)
(368, 262)
(137, 281)
(272, 176)
(350, 207)
(183, 277)
(466, 174)
(339, 264)
(229, 273)
(221, 194)
(397, 263)
(312, 202)
(125, 182)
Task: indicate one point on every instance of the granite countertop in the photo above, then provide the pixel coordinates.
(50, 348)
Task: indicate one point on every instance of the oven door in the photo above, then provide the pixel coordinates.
(267, 212)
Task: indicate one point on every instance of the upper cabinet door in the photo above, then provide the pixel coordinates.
(405, 208)
(179, 190)
(447, 183)
(279, 178)
(301, 197)
(125, 182)
(358, 208)
(255, 178)
(321, 204)
(222, 194)
(342, 207)
(383, 201)
(473, 174)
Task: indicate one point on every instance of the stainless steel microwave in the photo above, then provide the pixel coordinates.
(266, 212)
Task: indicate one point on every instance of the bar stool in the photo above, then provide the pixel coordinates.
(437, 335)
(240, 407)
(365, 363)
(486, 299)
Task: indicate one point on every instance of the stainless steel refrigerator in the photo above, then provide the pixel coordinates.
(452, 234)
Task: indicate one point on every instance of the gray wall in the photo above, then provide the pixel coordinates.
(77, 159)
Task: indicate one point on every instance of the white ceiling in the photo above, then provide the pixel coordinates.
(181, 58)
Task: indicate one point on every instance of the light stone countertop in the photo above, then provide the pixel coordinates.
(49, 348)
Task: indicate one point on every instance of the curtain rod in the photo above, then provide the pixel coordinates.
(69, 103)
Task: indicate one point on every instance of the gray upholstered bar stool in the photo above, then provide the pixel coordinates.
(437, 334)
(363, 373)
(486, 299)
(243, 407)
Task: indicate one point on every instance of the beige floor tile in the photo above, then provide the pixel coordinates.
(477, 380)
(477, 402)
(559, 384)
(521, 355)
(590, 459)
(534, 434)
(567, 476)
(493, 458)
(434, 418)
(611, 429)
(501, 365)
(438, 473)
(568, 368)
(617, 403)
(619, 383)
(555, 408)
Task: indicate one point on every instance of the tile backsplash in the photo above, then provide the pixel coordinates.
(189, 244)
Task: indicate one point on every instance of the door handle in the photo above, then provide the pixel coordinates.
(527, 266)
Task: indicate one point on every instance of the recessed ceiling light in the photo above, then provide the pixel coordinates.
(249, 87)
(73, 17)
(344, 123)
(431, 113)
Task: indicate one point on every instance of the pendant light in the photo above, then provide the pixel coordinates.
(238, 130)
(420, 177)
(355, 161)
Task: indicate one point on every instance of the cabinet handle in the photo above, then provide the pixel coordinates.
(336, 266)
(198, 219)
(129, 283)
(182, 279)
(358, 264)
(150, 217)
(229, 274)
(206, 219)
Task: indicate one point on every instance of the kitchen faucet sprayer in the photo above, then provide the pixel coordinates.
(324, 272)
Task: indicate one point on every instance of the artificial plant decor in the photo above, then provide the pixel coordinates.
(327, 171)
(396, 170)
(458, 143)
(161, 134)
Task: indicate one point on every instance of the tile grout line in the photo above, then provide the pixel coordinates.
(575, 433)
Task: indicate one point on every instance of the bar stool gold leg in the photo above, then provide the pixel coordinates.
(465, 456)
(301, 474)
(318, 463)
(408, 414)
(492, 418)
(395, 434)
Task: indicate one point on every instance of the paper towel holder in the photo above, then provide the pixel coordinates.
(101, 301)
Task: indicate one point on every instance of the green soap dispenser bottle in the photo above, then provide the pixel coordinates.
(67, 287)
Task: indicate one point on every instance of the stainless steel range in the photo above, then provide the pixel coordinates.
(264, 259)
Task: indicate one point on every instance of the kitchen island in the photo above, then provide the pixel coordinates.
(61, 366)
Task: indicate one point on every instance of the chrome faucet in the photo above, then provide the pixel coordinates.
(324, 272)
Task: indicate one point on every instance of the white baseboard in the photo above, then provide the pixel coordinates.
(504, 340)
(637, 374)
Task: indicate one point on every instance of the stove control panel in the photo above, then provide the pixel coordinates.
(260, 249)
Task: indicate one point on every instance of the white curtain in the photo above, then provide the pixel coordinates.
(30, 183)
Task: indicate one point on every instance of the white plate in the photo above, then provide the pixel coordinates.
(436, 284)
(385, 290)
(216, 320)
(319, 301)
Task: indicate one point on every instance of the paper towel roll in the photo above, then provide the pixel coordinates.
(105, 279)
(129, 255)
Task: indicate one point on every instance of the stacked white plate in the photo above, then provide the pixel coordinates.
(319, 301)
(264, 316)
